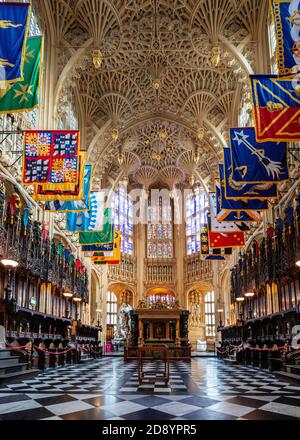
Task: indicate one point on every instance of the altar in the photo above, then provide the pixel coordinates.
(159, 324)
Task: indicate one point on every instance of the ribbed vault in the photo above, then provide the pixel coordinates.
(169, 82)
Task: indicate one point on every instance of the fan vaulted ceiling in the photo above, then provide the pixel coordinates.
(160, 80)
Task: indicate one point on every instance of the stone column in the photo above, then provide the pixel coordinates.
(168, 330)
(141, 335)
(180, 251)
(46, 115)
(178, 343)
(104, 303)
(140, 252)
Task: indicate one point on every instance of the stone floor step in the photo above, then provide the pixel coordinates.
(17, 376)
(288, 376)
(293, 369)
(4, 353)
(9, 360)
(86, 360)
(230, 361)
(203, 355)
(114, 355)
(6, 368)
(296, 367)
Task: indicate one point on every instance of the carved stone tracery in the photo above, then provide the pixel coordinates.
(156, 60)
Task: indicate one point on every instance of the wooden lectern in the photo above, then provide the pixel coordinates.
(148, 353)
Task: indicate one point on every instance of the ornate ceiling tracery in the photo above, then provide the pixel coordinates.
(167, 69)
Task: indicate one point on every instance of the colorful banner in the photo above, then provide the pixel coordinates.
(106, 247)
(256, 163)
(74, 206)
(97, 238)
(51, 157)
(215, 258)
(24, 95)
(204, 240)
(213, 223)
(219, 254)
(225, 239)
(286, 16)
(276, 103)
(46, 193)
(106, 257)
(244, 191)
(108, 263)
(91, 220)
(227, 215)
(211, 254)
(238, 205)
(14, 25)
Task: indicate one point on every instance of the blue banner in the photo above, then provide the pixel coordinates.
(14, 25)
(75, 206)
(107, 247)
(92, 220)
(254, 162)
(238, 205)
(276, 104)
(215, 258)
(286, 15)
(245, 191)
(229, 215)
(215, 223)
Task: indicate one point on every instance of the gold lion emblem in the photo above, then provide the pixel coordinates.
(5, 24)
(274, 106)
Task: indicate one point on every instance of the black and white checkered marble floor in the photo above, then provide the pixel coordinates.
(108, 389)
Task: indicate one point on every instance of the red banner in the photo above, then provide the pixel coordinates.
(226, 239)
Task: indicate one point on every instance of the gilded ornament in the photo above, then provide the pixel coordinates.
(200, 133)
(156, 84)
(97, 58)
(115, 134)
(215, 56)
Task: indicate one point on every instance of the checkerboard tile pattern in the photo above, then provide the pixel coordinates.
(155, 370)
(108, 389)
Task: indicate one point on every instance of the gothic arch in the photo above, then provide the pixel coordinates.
(68, 71)
(203, 287)
(123, 292)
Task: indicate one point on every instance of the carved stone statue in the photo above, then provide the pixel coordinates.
(195, 319)
(123, 326)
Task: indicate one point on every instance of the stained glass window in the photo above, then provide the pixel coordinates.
(197, 206)
(160, 297)
(112, 309)
(160, 230)
(210, 314)
(34, 28)
(272, 46)
(123, 219)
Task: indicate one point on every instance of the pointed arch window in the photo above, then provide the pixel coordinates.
(197, 206)
(112, 309)
(123, 219)
(160, 230)
(210, 314)
(272, 45)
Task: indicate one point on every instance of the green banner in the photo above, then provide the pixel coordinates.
(24, 95)
(106, 236)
